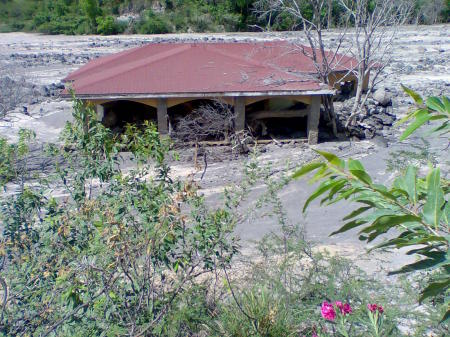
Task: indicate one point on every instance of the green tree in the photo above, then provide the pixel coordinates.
(91, 10)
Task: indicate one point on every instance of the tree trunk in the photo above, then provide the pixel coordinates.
(329, 16)
(356, 105)
(329, 109)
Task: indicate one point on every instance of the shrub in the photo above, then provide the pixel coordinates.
(136, 252)
(109, 26)
(416, 207)
(153, 24)
(119, 255)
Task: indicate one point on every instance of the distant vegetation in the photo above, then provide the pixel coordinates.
(164, 16)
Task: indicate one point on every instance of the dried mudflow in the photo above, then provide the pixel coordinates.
(32, 66)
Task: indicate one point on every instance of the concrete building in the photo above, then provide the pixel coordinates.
(261, 80)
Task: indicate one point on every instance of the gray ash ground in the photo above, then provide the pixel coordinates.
(37, 63)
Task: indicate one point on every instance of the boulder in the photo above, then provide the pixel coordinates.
(386, 119)
(383, 97)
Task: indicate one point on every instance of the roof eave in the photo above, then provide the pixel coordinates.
(205, 95)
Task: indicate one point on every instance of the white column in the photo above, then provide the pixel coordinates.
(100, 112)
(313, 120)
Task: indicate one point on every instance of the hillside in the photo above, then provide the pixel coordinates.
(124, 16)
(107, 17)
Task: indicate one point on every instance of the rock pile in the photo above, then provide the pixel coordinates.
(376, 115)
(19, 93)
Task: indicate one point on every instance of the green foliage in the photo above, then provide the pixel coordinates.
(287, 282)
(80, 16)
(134, 252)
(153, 24)
(109, 26)
(91, 10)
(6, 161)
(120, 252)
(13, 163)
(415, 208)
(433, 108)
(83, 16)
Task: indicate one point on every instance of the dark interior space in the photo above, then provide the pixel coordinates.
(119, 113)
(282, 128)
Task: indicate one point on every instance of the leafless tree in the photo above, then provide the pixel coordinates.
(209, 121)
(14, 91)
(376, 24)
(329, 14)
(325, 60)
(367, 27)
(214, 121)
(428, 11)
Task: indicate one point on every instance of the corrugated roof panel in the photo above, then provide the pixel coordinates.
(166, 68)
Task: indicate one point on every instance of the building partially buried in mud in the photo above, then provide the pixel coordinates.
(270, 83)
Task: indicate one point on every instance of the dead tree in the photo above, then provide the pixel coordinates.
(368, 26)
(14, 91)
(375, 25)
(208, 122)
(213, 121)
(329, 14)
(325, 60)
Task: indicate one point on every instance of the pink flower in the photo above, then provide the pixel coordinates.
(345, 309)
(327, 311)
(374, 307)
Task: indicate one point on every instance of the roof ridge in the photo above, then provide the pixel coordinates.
(122, 68)
(214, 48)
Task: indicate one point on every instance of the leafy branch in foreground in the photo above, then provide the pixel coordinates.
(433, 108)
(416, 207)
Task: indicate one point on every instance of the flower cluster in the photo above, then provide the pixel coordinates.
(345, 309)
(375, 307)
(337, 314)
(328, 309)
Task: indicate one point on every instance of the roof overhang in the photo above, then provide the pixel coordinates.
(205, 95)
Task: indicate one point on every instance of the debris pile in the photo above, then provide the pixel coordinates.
(20, 94)
(376, 115)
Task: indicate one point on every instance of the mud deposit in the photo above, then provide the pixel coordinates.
(35, 65)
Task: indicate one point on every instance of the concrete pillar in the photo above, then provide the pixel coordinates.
(313, 120)
(100, 112)
(239, 110)
(163, 120)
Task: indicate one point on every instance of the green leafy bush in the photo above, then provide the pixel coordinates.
(416, 207)
(13, 161)
(135, 252)
(153, 24)
(288, 281)
(119, 251)
(109, 26)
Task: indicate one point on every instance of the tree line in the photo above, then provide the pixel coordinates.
(170, 16)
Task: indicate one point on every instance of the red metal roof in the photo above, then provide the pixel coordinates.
(187, 68)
